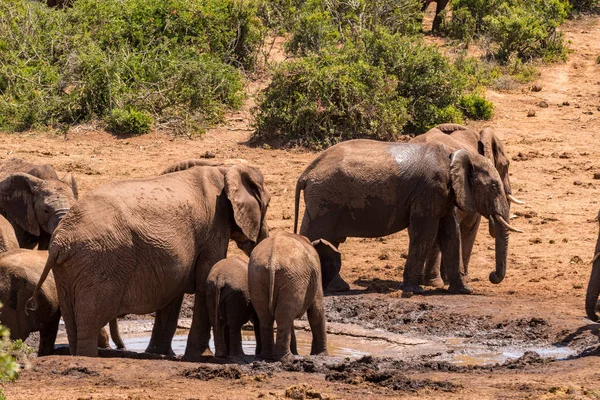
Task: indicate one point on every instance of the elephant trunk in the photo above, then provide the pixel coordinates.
(593, 291)
(55, 220)
(501, 237)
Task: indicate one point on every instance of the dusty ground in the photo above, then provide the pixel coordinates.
(554, 154)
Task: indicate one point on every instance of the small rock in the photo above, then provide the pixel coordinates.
(543, 104)
(536, 87)
(566, 103)
(577, 183)
(531, 113)
(208, 154)
(588, 112)
(577, 106)
(596, 175)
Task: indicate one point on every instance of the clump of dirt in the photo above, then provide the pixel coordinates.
(369, 370)
(301, 392)
(399, 316)
(79, 372)
(206, 373)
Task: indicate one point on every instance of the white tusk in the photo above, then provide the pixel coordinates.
(596, 256)
(507, 225)
(513, 199)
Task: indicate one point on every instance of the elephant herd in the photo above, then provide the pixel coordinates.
(137, 246)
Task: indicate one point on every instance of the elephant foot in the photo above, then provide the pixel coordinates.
(460, 289)
(437, 282)
(338, 285)
(408, 289)
(161, 351)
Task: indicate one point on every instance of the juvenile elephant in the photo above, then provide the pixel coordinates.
(34, 200)
(365, 188)
(20, 270)
(487, 144)
(440, 6)
(286, 277)
(229, 306)
(135, 246)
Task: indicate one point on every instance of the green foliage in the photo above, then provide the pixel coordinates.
(476, 106)
(177, 60)
(326, 23)
(9, 368)
(319, 101)
(585, 5)
(128, 122)
(525, 28)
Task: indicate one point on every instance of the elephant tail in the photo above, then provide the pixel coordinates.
(217, 302)
(271, 289)
(114, 334)
(299, 187)
(32, 303)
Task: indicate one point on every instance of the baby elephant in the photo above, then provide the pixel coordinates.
(20, 271)
(286, 277)
(229, 307)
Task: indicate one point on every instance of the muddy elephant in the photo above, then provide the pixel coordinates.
(487, 144)
(286, 277)
(34, 200)
(365, 188)
(229, 306)
(20, 271)
(135, 246)
(440, 6)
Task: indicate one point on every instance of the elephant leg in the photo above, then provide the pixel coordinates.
(48, 333)
(103, 339)
(114, 334)
(468, 232)
(199, 336)
(257, 335)
(432, 275)
(437, 21)
(235, 339)
(293, 343)
(422, 232)
(266, 336)
(450, 245)
(316, 319)
(283, 341)
(165, 325)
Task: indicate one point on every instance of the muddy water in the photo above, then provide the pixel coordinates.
(454, 350)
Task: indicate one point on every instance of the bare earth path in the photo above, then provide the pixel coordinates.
(554, 154)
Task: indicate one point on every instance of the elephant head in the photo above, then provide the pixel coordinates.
(244, 187)
(35, 204)
(593, 289)
(331, 260)
(478, 187)
(492, 148)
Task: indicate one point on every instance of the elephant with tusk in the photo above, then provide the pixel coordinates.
(593, 289)
(365, 188)
(487, 144)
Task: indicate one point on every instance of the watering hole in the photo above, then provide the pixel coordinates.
(349, 341)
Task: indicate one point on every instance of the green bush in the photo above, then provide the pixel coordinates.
(476, 106)
(177, 60)
(319, 101)
(585, 5)
(526, 28)
(326, 23)
(128, 122)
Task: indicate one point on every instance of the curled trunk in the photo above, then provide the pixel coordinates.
(593, 289)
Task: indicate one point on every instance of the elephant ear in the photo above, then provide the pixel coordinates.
(69, 179)
(461, 172)
(330, 258)
(244, 189)
(17, 192)
(486, 144)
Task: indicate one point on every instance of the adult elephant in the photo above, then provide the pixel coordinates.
(487, 144)
(440, 6)
(34, 200)
(134, 247)
(365, 188)
(593, 289)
